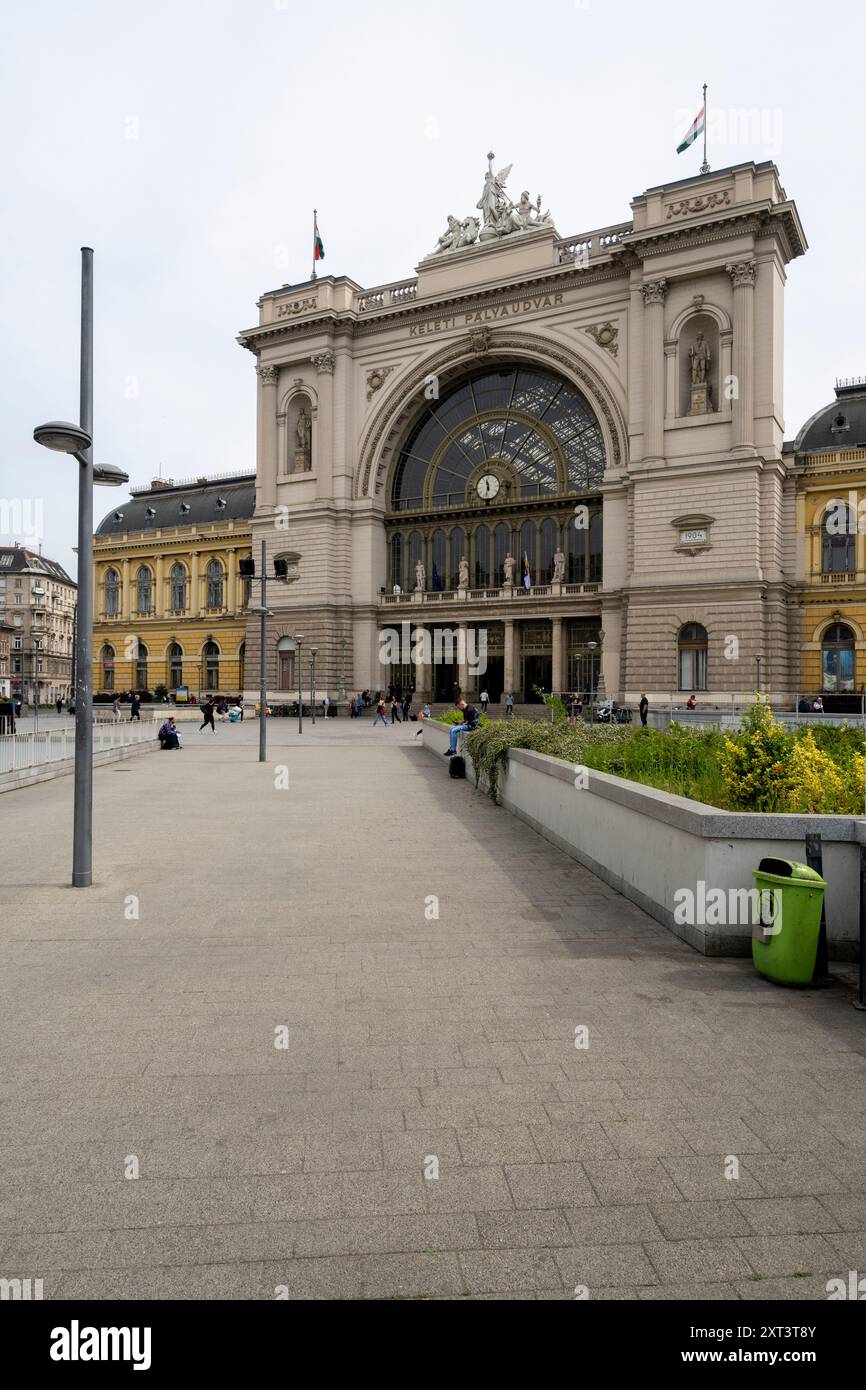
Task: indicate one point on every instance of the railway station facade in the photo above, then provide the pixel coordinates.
(543, 462)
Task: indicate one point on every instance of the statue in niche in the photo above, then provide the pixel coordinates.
(463, 573)
(508, 569)
(558, 566)
(699, 361)
(304, 436)
(420, 577)
(699, 372)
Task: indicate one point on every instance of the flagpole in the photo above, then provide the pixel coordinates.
(705, 168)
(314, 276)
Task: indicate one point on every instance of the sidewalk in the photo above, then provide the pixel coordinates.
(139, 1021)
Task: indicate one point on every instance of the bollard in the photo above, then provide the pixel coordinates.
(814, 859)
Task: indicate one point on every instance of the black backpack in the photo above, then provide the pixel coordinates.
(457, 766)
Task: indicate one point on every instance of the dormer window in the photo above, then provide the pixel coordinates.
(184, 507)
(839, 425)
(150, 513)
(221, 503)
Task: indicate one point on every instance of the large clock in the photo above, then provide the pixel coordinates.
(487, 487)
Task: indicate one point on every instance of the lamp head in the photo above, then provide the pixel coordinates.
(107, 475)
(62, 436)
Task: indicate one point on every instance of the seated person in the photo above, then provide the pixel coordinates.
(471, 719)
(168, 735)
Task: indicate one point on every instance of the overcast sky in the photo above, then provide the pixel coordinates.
(188, 141)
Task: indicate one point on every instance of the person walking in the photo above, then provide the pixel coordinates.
(471, 718)
(395, 710)
(58, 704)
(380, 713)
(207, 715)
(326, 705)
(135, 708)
(643, 709)
(509, 706)
(407, 706)
(115, 708)
(485, 700)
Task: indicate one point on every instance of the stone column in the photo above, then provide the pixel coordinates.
(462, 667)
(323, 430)
(194, 595)
(159, 603)
(508, 662)
(125, 596)
(423, 648)
(557, 678)
(268, 377)
(654, 292)
(232, 566)
(743, 274)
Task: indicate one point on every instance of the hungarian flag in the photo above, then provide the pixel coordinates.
(527, 574)
(695, 129)
(318, 244)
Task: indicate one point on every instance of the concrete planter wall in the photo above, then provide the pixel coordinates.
(648, 844)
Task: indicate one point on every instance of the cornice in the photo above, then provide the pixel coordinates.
(354, 325)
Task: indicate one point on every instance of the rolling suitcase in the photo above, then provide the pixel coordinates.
(457, 766)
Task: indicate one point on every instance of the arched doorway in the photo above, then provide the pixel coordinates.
(211, 657)
(286, 651)
(838, 663)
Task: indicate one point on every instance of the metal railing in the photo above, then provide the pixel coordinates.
(38, 748)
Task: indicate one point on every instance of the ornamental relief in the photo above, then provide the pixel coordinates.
(606, 335)
(684, 206)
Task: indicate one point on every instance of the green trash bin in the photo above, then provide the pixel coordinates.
(788, 920)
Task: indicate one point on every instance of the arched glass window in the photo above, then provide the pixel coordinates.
(549, 543)
(456, 551)
(211, 666)
(576, 549)
(286, 648)
(837, 658)
(501, 547)
(144, 590)
(178, 587)
(112, 593)
(397, 561)
(215, 584)
(527, 556)
(141, 656)
(481, 577)
(692, 655)
(107, 662)
(538, 425)
(839, 531)
(175, 665)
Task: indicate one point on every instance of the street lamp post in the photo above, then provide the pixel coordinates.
(77, 440)
(758, 661)
(314, 651)
(592, 649)
(299, 638)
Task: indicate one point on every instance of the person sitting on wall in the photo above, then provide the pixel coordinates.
(691, 702)
(471, 719)
(168, 735)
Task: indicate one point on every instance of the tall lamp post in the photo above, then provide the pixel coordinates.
(758, 660)
(299, 638)
(592, 650)
(77, 440)
(314, 651)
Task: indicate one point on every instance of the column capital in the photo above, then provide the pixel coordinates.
(654, 291)
(742, 273)
(324, 361)
(268, 375)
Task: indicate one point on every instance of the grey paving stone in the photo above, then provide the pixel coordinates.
(542, 1185)
(417, 1275)
(505, 1144)
(572, 1143)
(630, 1181)
(697, 1261)
(787, 1255)
(342, 1153)
(778, 1216)
(645, 1138)
(689, 1293)
(812, 1287)
(605, 1265)
(696, 1220)
(703, 1178)
(409, 1149)
(511, 1230)
(506, 1271)
(612, 1225)
(360, 1235)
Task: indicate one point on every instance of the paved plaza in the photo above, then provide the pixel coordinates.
(332, 1026)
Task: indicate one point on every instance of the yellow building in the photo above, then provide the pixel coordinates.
(169, 600)
(830, 472)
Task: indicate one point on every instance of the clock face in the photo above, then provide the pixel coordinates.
(487, 487)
